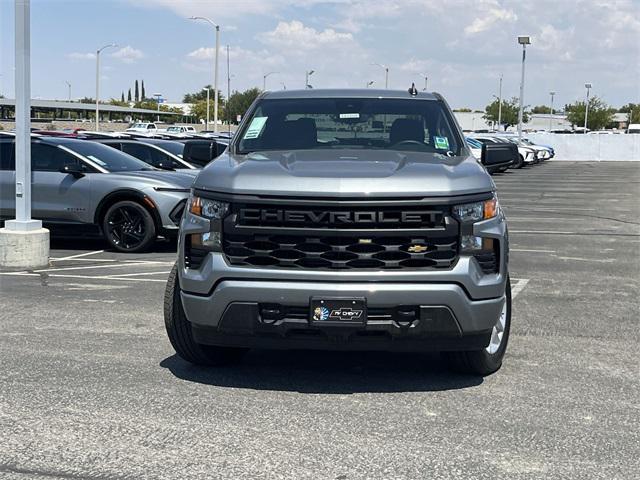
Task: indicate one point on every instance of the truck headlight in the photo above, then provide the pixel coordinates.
(207, 208)
(474, 212)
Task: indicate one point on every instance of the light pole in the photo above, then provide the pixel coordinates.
(500, 104)
(523, 40)
(284, 86)
(227, 111)
(264, 80)
(68, 85)
(425, 81)
(588, 86)
(386, 73)
(206, 123)
(306, 79)
(158, 97)
(215, 71)
(110, 45)
(370, 84)
(552, 93)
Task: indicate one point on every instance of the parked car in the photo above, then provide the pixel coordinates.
(143, 128)
(316, 230)
(84, 186)
(181, 129)
(154, 152)
(526, 155)
(475, 146)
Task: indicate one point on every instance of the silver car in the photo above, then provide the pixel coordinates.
(79, 185)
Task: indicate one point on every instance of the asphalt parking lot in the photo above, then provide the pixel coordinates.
(90, 387)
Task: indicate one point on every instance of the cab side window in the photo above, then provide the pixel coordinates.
(47, 158)
(7, 155)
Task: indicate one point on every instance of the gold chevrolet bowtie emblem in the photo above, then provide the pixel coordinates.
(418, 248)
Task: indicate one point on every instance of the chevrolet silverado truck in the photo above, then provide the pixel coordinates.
(344, 220)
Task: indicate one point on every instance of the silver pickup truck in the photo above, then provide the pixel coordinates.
(349, 220)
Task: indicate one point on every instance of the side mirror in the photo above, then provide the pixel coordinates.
(499, 154)
(72, 170)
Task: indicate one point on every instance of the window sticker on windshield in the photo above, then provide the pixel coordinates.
(349, 115)
(97, 160)
(255, 129)
(442, 143)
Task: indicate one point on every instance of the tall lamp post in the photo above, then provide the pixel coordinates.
(500, 104)
(386, 73)
(588, 86)
(425, 81)
(23, 241)
(306, 78)
(158, 97)
(264, 80)
(370, 83)
(110, 45)
(68, 85)
(523, 40)
(552, 93)
(215, 71)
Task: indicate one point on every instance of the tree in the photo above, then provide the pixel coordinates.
(462, 110)
(199, 96)
(239, 102)
(509, 112)
(137, 92)
(87, 100)
(600, 114)
(633, 109)
(142, 94)
(122, 97)
(541, 109)
(129, 96)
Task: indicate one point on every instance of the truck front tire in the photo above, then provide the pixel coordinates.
(180, 335)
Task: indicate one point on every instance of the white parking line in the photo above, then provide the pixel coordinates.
(86, 254)
(530, 250)
(518, 287)
(83, 277)
(89, 267)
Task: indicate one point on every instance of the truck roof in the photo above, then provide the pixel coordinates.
(348, 93)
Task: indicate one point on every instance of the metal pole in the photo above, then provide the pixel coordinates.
(500, 104)
(215, 82)
(425, 83)
(520, 110)
(386, 77)
(551, 115)
(206, 124)
(23, 219)
(586, 112)
(306, 79)
(228, 93)
(97, 90)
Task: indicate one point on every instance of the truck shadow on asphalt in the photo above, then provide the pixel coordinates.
(328, 372)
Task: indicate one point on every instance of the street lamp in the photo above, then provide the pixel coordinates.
(552, 93)
(386, 73)
(370, 84)
(158, 97)
(110, 45)
(425, 81)
(68, 85)
(284, 87)
(306, 80)
(215, 70)
(264, 80)
(500, 104)
(523, 40)
(588, 86)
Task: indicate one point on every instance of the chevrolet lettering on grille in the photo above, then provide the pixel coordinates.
(332, 218)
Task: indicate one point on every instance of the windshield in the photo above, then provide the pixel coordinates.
(325, 123)
(173, 129)
(176, 148)
(108, 158)
(473, 143)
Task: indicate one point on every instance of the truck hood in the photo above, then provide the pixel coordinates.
(345, 173)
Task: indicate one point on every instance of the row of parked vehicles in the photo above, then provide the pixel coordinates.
(130, 189)
(524, 151)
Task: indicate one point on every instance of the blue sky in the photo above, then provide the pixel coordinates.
(462, 45)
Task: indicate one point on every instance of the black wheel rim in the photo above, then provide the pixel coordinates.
(126, 228)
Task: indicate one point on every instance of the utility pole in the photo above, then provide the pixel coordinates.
(425, 81)
(523, 40)
(228, 94)
(215, 71)
(588, 86)
(206, 124)
(386, 73)
(552, 93)
(158, 97)
(500, 104)
(306, 78)
(264, 80)
(23, 241)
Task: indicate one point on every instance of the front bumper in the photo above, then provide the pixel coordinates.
(455, 308)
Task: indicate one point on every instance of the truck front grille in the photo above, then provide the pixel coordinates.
(363, 237)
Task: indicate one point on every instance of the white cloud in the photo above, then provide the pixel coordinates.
(81, 56)
(488, 19)
(128, 54)
(295, 34)
(202, 53)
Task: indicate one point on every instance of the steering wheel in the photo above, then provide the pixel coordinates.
(409, 142)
